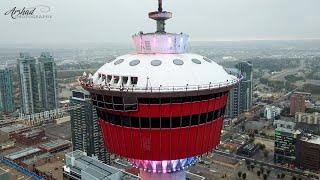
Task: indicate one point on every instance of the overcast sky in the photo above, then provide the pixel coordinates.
(100, 21)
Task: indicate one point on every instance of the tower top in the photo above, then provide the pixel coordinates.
(160, 16)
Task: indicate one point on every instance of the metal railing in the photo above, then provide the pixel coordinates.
(132, 88)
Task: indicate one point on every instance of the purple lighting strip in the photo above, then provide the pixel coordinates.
(165, 166)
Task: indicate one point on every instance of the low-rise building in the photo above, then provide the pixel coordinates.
(272, 112)
(308, 153)
(23, 154)
(80, 166)
(30, 137)
(309, 118)
(55, 146)
(13, 129)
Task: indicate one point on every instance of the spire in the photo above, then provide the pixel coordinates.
(160, 16)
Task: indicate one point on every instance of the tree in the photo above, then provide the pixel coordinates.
(244, 176)
(268, 171)
(265, 177)
(239, 174)
(252, 167)
(266, 153)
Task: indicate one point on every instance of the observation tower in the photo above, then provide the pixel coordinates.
(160, 107)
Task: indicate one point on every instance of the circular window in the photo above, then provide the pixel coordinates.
(134, 62)
(118, 61)
(178, 62)
(197, 61)
(156, 62)
(207, 59)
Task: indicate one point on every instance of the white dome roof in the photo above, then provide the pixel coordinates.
(169, 70)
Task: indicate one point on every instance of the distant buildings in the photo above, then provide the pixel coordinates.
(271, 112)
(309, 118)
(29, 84)
(38, 86)
(86, 133)
(80, 166)
(6, 91)
(246, 85)
(284, 146)
(240, 98)
(308, 153)
(233, 105)
(48, 83)
(297, 104)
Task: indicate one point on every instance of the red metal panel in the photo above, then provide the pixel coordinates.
(175, 110)
(186, 109)
(192, 141)
(128, 141)
(206, 137)
(146, 144)
(165, 144)
(156, 146)
(175, 148)
(200, 138)
(165, 110)
(184, 142)
(136, 141)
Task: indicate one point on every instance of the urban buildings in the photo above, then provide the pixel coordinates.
(240, 97)
(233, 105)
(161, 107)
(48, 83)
(86, 133)
(6, 91)
(271, 112)
(246, 85)
(309, 118)
(297, 104)
(285, 145)
(308, 153)
(29, 84)
(38, 86)
(80, 166)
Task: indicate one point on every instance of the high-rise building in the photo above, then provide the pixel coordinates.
(29, 84)
(246, 85)
(48, 83)
(86, 133)
(160, 107)
(6, 91)
(240, 97)
(233, 105)
(285, 145)
(297, 104)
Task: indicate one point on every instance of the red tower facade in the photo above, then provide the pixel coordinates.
(160, 107)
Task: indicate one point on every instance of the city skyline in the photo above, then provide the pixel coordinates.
(220, 20)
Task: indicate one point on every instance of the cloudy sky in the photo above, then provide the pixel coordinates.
(102, 21)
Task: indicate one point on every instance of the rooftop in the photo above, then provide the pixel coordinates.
(54, 144)
(78, 162)
(312, 139)
(13, 128)
(161, 72)
(22, 153)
